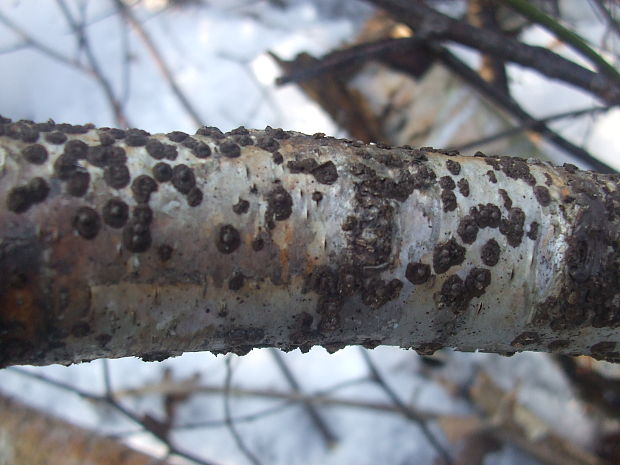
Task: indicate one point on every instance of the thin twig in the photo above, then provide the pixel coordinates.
(328, 436)
(84, 45)
(229, 422)
(159, 61)
(575, 41)
(432, 25)
(407, 412)
(116, 406)
(527, 126)
(509, 104)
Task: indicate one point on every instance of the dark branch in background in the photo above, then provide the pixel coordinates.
(483, 14)
(509, 104)
(408, 413)
(159, 61)
(434, 26)
(364, 52)
(84, 44)
(575, 41)
(114, 404)
(528, 126)
(229, 422)
(612, 23)
(328, 436)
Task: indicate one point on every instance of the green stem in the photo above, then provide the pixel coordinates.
(528, 10)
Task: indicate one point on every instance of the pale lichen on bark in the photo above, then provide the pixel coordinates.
(116, 243)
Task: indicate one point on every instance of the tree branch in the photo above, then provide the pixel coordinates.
(430, 24)
(116, 243)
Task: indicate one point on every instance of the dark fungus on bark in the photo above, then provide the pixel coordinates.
(228, 239)
(447, 254)
(418, 273)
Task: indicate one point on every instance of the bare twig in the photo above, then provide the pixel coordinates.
(84, 45)
(432, 25)
(328, 436)
(528, 126)
(407, 412)
(507, 103)
(229, 422)
(110, 401)
(159, 61)
(575, 41)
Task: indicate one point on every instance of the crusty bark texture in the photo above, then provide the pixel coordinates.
(119, 242)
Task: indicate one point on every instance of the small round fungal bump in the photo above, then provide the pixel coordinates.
(183, 178)
(491, 176)
(468, 229)
(116, 176)
(77, 184)
(477, 281)
(447, 254)
(198, 148)
(228, 239)
(35, 154)
(241, 207)
(542, 195)
(56, 137)
(267, 143)
(177, 136)
(87, 222)
(454, 167)
(142, 214)
(277, 157)
(142, 187)
(164, 252)
(236, 282)
(194, 197)
(76, 149)
(115, 213)
(317, 196)
(490, 252)
(19, 200)
(162, 172)
(446, 182)
(136, 237)
(448, 199)
(326, 173)
(418, 273)
(155, 149)
(463, 186)
(136, 137)
(230, 149)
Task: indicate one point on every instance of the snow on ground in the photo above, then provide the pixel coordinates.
(219, 57)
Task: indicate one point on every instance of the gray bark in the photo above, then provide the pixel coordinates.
(273, 238)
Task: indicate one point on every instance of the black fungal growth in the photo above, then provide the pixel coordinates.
(35, 154)
(183, 178)
(454, 167)
(463, 187)
(21, 198)
(446, 182)
(228, 239)
(279, 206)
(512, 227)
(142, 187)
(486, 216)
(164, 252)
(115, 213)
(542, 195)
(489, 253)
(194, 197)
(137, 236)
(162, 172)
(87, 222)
(77, 185)
(468, 229)
(447, 254)
(418, 273)
(326, 173)
(230, 149)
(448, 199)
(241, 207)
(116, 176)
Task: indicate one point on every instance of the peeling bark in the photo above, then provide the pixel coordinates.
(117, 243)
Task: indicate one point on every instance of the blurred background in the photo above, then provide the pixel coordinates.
(348, 68)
